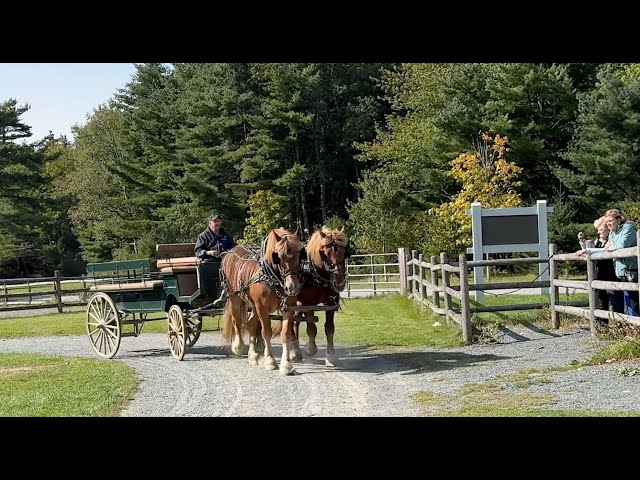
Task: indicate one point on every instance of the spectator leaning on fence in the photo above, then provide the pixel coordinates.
(623, 235)
(604, 270)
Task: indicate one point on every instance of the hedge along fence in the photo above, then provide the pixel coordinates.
(425, 285)
(591, 285)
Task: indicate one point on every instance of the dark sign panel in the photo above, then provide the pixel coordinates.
(510, 229)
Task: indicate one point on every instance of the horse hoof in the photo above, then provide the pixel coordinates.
(295, 356)
(253, 360)
(311, 350)
(270, 363)
(331, 361)
(287, 369)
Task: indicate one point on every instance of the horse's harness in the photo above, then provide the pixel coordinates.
(273, 279)
(267, 275)
(315, 275)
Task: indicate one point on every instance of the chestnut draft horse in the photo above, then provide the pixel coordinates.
(324, 277)
(262, 283)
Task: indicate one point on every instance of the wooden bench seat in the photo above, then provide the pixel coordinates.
(179, 269)
(144, 285)
(178, 262)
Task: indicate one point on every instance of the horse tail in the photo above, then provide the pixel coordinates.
(276, 328)
(227, 325)
(259, 339)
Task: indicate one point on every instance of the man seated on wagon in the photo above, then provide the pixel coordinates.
(213, 241)
(210, 245)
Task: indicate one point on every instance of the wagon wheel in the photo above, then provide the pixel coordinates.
(194, 327)
(103, 325)
(177, 331)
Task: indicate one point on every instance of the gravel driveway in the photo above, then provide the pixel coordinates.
(209, 383)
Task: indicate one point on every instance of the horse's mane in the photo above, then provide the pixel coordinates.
(288, 243)
(317, 241)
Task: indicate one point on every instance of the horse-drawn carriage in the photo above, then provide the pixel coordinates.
(257, 284)
(126, 292)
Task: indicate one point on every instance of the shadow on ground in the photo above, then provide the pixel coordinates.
(360, 359)
(368, 358)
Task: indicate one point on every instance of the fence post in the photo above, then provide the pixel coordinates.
(6, 292)
(435, 296)
(543, 238)
(373, 276)
(638, 255)
(414, 259)
(421, 287)
(58, 290)
(464, 302)
(384, 267)
(553, 292)
(29, 290)
(592, 295)
(478, 253)
(445, 284)
(348, 281)
(402, 269)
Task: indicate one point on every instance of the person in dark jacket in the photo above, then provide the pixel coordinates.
(213, 241)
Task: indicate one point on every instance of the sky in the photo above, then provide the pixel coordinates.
(61, 94)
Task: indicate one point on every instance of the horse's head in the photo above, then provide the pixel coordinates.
(328, 250)
(284, 250)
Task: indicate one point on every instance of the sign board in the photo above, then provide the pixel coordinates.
(509, 230)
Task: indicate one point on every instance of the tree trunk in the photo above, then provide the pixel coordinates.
(300, 195)
(321, 169)
(303, 204)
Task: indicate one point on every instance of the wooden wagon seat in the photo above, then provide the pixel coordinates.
(178, 264)
(143, 285)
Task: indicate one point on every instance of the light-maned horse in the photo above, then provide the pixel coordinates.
(324, 277)
(262, 283)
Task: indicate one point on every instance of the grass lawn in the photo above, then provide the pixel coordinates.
(34, 385)
(52, 386)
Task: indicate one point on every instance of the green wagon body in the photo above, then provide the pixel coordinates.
(127, 291)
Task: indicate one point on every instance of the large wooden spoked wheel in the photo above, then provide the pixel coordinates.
(177, 332)
(103, 325)
(194, 327)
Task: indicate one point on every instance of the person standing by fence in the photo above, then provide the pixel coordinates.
(604, 270)
(623, 235)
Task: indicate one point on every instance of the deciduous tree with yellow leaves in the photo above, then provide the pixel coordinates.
(486, 177)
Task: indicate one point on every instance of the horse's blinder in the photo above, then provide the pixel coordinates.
(332, 266)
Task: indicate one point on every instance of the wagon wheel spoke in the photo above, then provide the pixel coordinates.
(94, 312)
(94, 331)
(108, 341)
(96, 320)
(102, 342)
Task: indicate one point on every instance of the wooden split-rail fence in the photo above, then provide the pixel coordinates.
(431, 283)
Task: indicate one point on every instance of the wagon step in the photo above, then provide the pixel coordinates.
(128, 334)
(301, 319)
(210, 312)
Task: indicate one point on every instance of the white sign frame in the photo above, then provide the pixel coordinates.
(479, 250)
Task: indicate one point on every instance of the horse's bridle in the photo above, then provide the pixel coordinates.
(334, 267)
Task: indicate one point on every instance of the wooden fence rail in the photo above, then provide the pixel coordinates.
(44, 292)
